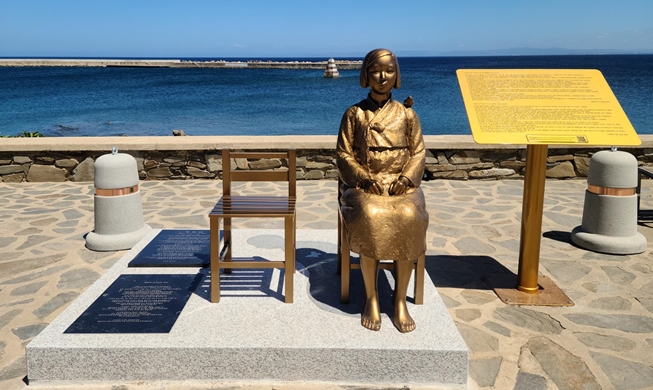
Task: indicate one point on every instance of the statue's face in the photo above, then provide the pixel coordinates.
(381, 75)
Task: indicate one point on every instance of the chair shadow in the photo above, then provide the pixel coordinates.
(324, 283)
(462, 271)
(244, 283)
(645, 218)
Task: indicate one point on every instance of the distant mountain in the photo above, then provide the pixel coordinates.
(518, 51)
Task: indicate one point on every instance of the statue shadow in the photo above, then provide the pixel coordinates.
(467, 272)
(324, 283)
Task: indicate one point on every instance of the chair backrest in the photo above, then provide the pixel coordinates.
(230, 175)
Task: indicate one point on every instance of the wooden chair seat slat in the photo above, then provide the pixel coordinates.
(257, 198)
(270, 201)
(243, 201)
(252, 264)
(252, 214)
(260, 176)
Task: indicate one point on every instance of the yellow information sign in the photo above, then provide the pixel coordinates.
(543, 106)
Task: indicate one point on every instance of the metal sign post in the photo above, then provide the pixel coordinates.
(539, 107)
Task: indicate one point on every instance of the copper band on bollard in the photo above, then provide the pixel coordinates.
(611, 191)
(117, 191)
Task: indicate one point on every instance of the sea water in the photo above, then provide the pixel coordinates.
(78, 101)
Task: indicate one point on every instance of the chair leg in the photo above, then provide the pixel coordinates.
(289, 269)
(339, 266)
(419, 279)
(227, 242)
(214, 234)
(345, 267)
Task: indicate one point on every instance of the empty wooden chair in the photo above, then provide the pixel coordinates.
(243, 206)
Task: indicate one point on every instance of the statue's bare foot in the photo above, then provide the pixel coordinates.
(371, 318)
(402, 320)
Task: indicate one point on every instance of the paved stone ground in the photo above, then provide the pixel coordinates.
(604, 342)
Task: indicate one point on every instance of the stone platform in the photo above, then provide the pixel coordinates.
(252, 335)
(605, 341)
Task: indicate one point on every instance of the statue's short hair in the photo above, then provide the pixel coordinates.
(373, 56)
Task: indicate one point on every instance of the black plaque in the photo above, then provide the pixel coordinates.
(137, 304)
(175, 248)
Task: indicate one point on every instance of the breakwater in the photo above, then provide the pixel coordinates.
(181, 158)
(172, 63)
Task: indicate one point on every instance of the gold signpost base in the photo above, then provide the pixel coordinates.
(548, 294)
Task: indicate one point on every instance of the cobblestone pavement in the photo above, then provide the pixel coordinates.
(604, 342)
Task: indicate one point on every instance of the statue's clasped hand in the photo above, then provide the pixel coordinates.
(399, 186)
(371, 187)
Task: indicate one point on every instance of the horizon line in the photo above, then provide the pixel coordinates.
(321, 56)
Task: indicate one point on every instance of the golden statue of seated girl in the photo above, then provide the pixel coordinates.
(380, 158)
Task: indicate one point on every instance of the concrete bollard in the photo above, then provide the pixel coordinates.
(118, 209)
(610, 212)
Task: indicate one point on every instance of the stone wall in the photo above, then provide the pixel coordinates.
(312, 164)
(502, 163)
(198, 157)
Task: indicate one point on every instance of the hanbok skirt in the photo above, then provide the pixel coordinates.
(385, 227)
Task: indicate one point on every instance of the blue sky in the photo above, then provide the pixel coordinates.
(277, 28)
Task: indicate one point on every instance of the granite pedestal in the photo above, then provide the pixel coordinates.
(252, 335)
